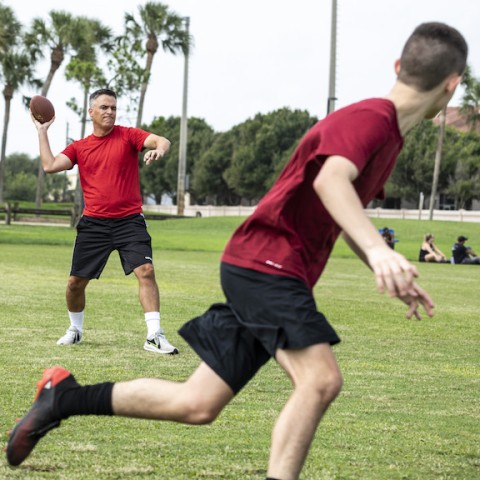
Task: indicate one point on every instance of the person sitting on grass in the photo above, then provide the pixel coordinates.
(463, 254)
(389, 236)
(429, 252)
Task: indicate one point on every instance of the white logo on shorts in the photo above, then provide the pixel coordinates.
(149, 258)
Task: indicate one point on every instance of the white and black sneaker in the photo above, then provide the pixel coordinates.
(71, 337)
(159, 344)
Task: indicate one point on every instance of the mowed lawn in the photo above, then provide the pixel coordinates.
(409, 408)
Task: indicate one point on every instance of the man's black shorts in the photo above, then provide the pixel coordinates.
(98, 237)
(263, 313)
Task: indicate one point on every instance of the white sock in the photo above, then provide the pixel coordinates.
(152, 319)
(76, 320)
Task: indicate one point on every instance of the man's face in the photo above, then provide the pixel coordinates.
(103, 111)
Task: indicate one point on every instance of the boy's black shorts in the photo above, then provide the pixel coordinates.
(98, 237)
(263, 313)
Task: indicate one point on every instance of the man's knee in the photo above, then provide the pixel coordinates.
(145, 272)
(76, 285)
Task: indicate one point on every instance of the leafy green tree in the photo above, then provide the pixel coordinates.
(464, 183)
(262, 147)
(208, 179)
(161, 177)
(414, 168)
(21, 187)
(470, 106)
(160, 27)
(20, 177)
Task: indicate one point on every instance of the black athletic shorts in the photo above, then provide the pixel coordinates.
(263, 313)
(98, 237)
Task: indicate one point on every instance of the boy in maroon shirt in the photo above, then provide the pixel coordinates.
(270, 266)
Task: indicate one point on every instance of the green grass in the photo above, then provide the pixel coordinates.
(409, 408)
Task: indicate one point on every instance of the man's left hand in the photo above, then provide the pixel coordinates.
(152, 155)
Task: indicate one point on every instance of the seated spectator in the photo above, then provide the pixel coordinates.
(389, 236)
(429, 252)
(464, 254)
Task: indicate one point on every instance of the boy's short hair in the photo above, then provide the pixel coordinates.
(432, 53)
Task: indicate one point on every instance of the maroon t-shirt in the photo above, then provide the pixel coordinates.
(290, 232)
(108, 169)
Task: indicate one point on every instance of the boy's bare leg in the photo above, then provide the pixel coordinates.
(317, 381)
(198, 400)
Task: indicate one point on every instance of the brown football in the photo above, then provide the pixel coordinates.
(42, 108)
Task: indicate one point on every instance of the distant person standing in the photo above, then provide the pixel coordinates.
(463, 254)
(112, 217)
(429, 252)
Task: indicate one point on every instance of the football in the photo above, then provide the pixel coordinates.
(42, 108)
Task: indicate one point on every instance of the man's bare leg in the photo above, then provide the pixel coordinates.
(147, 288)
(317, 381)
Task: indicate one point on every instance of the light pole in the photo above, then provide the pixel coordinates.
(333, 59)
(182, 151)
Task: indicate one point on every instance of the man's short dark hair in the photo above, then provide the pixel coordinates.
(432, 53)
(102, 91)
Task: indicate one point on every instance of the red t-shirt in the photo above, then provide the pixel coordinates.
(108, 168)
(290, 232)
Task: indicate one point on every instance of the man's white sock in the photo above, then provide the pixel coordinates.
(76, 320)
(152, 319)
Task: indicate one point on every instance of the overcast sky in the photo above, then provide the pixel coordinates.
(254, 56)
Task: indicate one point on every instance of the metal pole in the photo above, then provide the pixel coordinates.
(333, 59)
(438, 159)
(182, 152)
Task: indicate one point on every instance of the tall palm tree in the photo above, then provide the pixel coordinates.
(16, 69)
(160, 27)
(93, 38)
(57, 34)
(470, 105)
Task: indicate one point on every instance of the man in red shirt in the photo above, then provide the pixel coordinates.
(112, 217)
(271, 264)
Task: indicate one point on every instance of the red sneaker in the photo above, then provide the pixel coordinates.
(42, 417)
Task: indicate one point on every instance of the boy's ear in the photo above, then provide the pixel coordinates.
(397, 66)
(453, 82)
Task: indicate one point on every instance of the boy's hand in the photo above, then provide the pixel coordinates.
(416, 297)
(393, 272)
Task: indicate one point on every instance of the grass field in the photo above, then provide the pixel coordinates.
(410, 405)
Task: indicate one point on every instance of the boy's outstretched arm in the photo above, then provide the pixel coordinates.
(393, 273)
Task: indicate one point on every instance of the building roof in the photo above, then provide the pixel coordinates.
(456, 119)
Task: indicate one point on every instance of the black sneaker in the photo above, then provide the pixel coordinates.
(42, 416)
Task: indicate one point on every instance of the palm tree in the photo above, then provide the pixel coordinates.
(58, 34)
(92, 39)
(83, 67)
(9, 29)
(16, 69)
(160, 27)
(470, 106)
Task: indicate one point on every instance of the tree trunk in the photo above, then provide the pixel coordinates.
(438, 160)
(56, 60)
(7, 94)
(151, 49)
